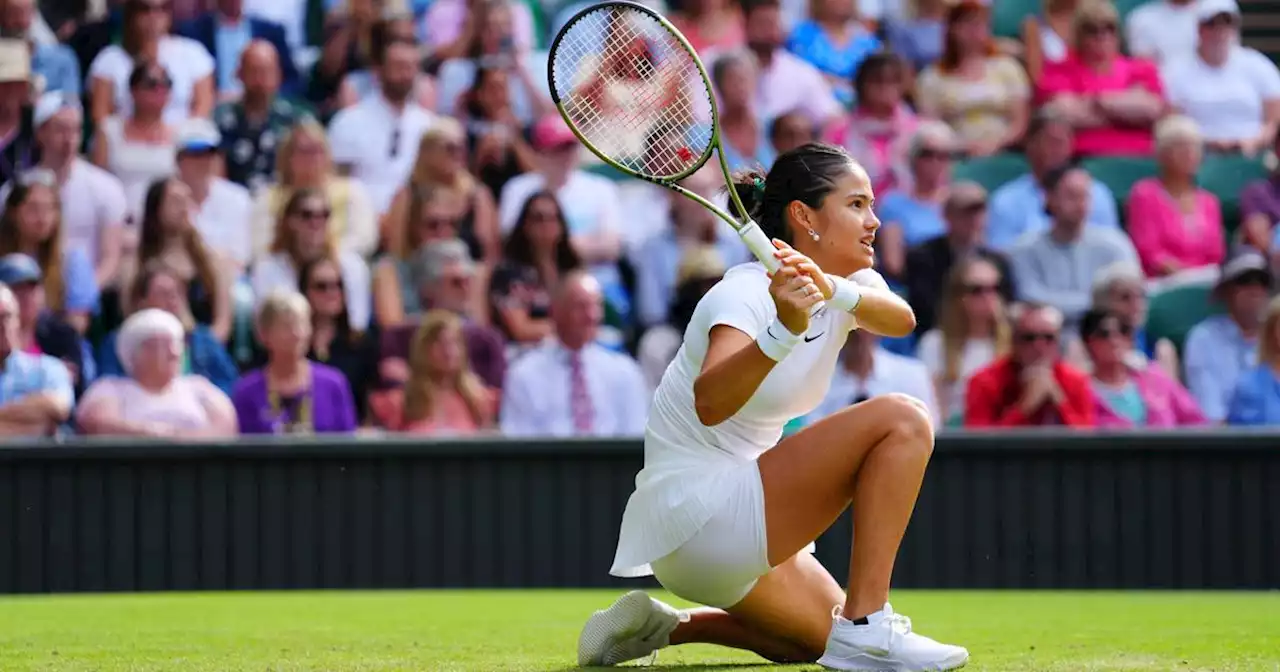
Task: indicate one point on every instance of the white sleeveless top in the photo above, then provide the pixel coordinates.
(135, 163)
(684, 459)
(179, 406)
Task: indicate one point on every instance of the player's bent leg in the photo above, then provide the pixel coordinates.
(872, 455)
(793, 603)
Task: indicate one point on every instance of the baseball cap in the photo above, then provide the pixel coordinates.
(551, 132)
(197, 135)
(17, 269)
(52, 103)
(1243, 265)
(1208, 9)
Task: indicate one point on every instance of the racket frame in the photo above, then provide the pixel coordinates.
(745, 226)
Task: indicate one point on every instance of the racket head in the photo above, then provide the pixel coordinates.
(666, 129)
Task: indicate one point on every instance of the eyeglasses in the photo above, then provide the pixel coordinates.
(1111, 332)
(457, 281)
(1037, 336)
(312, 214)
(395, 143)
(935, 154)
(981, 290)
(154, 83)
(1097, 29)
(326, 285)
(1220, 21)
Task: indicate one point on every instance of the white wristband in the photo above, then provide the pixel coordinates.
(776, 341)
(847, 294)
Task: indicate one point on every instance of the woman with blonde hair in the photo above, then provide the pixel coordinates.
(442, 165)
(304, 162)
(972, 332)
(443, 395)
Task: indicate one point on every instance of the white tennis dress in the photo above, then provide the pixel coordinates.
(697, 512)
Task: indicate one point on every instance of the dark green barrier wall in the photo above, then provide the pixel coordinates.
(1028, 510)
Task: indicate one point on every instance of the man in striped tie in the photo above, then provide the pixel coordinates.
(570, 385)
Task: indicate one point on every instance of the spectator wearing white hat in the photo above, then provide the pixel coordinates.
(222, 206)
(17, 138)
(1231, 91)
(54, 64)
(94, 204)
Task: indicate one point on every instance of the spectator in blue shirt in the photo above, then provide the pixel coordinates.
(1256, 399)
(1221, 348)
(1018, 207)
(55, 64)
(835, 42)
(913, 214)
(35, 390)
(227, 32)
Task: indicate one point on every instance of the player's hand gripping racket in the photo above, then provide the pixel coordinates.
(635, 93)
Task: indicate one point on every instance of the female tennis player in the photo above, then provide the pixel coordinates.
(721, 515)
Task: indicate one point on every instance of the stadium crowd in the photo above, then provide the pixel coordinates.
(232, 217)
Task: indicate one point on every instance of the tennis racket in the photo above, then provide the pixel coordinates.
(634, 91)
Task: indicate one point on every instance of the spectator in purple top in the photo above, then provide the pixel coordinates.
(1260, 209)
(291, 395)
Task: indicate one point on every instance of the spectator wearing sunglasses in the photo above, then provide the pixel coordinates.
(1130, 393)
(334, 341)
(1032, 386)
(138, 146)
(913, 214)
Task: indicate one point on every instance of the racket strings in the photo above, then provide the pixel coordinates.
(649, 118)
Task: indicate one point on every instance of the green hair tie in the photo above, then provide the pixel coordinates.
(759, 183)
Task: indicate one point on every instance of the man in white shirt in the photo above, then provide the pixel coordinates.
(868, 370)
(94, 204)
(222, 206)
(1162, 30)
(376, 140)
(787, 83)
(1231, 91)
(571, 386)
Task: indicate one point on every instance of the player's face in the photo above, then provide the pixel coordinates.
(846, 225)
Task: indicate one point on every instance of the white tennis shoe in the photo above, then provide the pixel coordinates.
(633, 627)
(887, 643)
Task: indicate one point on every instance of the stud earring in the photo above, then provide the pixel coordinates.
(814, 235)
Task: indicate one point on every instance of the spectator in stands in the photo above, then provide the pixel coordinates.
(1255, 399)
(913, 214)
(835, 41)
(1057, 266)
(446, 279)
(93, 201)
(869, 370)
(305, 162)
(222, 207)
(535, 257)
(450, 27)
(497, 140)
(146, 39)
(744, 134)
(434, 214)
(918, 36)
(253, 126)
(350, 42)
(1162, 30)
(790, 130)
(1112, 101)
(877, 131)
(357, 84)
(290, 394)
(36, 392)
(700, 269)
(710, 24)
(787, 82)
(138, 147)
(42, 331)
(376, 140)
(981, 93)
(169, 235)
(17, 132)
(156, 399)
(1127, 393)
(1260, 209)
(443, 396)
(32, 225)
(160, 287)
(53, 63)
(692, 228)
(1222, 347)
(1047, 35)
(492, 44)
(972, 332)
(1175, 224)
(1018, 207)
(1032, 386)
(929, 263)
(442, 166)
(334, 341)
(226, 33)
(1120, 289)
(304, 235)
(1231, 91)
(295, 16)
(571, 386)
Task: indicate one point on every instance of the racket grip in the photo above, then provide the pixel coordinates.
(759, 244)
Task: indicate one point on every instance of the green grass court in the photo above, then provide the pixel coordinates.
(537, 630)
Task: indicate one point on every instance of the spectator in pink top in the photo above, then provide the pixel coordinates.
(878, 130)
(710, 24)
(1174, 224)
(1113, 101)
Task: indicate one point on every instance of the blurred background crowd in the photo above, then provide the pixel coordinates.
(229, 217)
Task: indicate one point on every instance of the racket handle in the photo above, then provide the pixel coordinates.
(763, 248)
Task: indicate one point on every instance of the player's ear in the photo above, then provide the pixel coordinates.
(803, 217)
